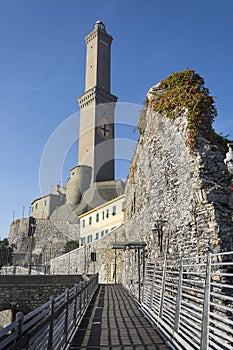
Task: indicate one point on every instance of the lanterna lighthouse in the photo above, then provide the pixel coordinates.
(97, 104)
(91, 182)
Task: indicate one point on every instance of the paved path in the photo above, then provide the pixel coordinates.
(113, 321)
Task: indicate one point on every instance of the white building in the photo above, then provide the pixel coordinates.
(99, 221)
(43, 207)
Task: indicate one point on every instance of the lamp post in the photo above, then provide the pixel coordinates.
(137, 247)
(33, 228)
(158, 227)
(229, 158)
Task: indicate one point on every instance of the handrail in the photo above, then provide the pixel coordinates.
(191, 301)
(52, 324)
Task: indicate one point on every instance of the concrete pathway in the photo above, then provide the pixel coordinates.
(113, 321)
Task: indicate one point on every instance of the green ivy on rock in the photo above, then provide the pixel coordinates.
(185, 91)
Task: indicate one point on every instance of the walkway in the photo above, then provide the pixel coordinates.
(113, 321)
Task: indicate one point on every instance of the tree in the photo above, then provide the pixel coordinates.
(70, 245)
(6, 251)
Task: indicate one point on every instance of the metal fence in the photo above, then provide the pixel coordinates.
(191, 301)
(52, 325)
(25, 270)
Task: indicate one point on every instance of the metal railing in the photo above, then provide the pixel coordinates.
(52, 325)
(191, 301)
(25, 270)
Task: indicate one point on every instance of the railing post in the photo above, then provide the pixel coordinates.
(75, 301)
(80, 298)
(206, 307)
(178, 297)
(66, 314)
(163, 289)
(84, 294)
(19, 319)
(50, 340)
(152, 287)
(143, 273)
(139, 276)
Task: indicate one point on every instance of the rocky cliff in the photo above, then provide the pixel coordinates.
(179, 185)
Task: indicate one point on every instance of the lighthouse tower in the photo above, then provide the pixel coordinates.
(97, 104)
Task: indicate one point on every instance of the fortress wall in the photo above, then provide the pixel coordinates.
(28, 292)
(191, 190)
(80, 261)
(49, 239)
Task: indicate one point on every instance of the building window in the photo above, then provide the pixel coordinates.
(36, 206)
(102, 233)
(97, 217)
(114, 210)
(97, 235)
(90, 220)
(107, 213)
(106, 231)
(113, 228)
(93, 256)
(45, 202)
(83, 223)
(32, 209)
(103, 215)
(83, 241)
(89, 239)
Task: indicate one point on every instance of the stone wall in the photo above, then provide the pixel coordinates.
(49, 239)
(5, 318)
(24, 293)
(80, 260)
(191, 190)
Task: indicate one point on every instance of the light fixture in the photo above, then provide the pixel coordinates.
(229, 158)
(155, 228)
(157, 224)
(158, 227)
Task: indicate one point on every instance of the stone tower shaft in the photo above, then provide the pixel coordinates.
(97, 105)
(98, 58)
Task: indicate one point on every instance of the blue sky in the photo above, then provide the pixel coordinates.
(42, 67)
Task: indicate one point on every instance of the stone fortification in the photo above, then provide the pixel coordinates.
(26, 293)
(178, 197)
(97, 256)
(189, 188)
(49, 239)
